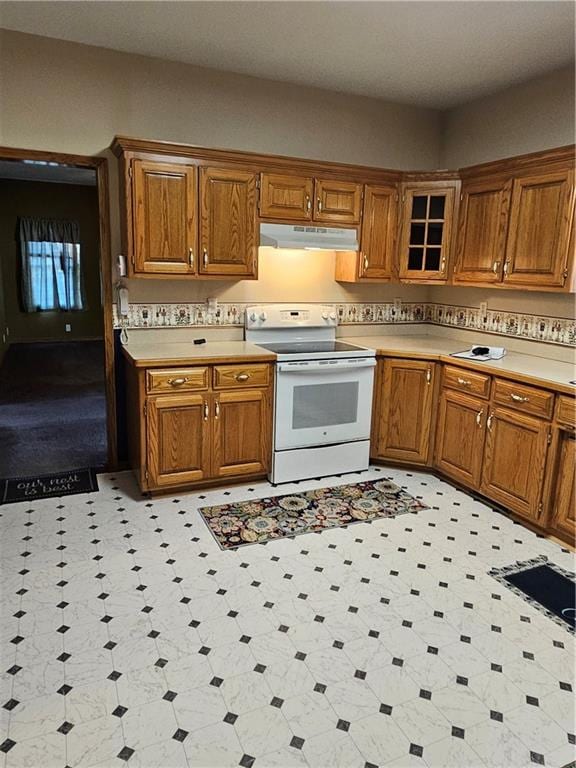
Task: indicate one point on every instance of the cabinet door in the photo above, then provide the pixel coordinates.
(482, 232)
(338, 202)
(228, 223)
(379, 225)
(514, 460)
(426, 235)
(563, 499)
(164, 218)
(286, 197)
(405, 411)
(242, 432)
(460, 437)
(539, 230)
(178, 437)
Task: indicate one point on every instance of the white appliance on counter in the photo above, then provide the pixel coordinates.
(323, 397)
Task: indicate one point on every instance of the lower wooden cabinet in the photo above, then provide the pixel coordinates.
(241, 433)
(514, 461)
(403, 410)
(460, 437)
(562, 504)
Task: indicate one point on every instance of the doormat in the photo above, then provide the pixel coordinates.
(275, 517)
(47, 486)
(546, 586)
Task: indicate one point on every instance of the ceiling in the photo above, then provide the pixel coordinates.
(38, 170)
(435, 54)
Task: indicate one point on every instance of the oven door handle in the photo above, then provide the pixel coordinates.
(368, 362)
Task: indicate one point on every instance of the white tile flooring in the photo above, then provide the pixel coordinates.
(127, 635)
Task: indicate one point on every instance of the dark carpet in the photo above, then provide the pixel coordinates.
(52, 408)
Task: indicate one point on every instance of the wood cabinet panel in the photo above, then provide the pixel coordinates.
(242, 433)
(514, 460)
(165, 203)
(482, 231)
(466, 381)
(379, 231)
(566, 411)
(178, 439)
(460, 437)
(539, 230)
(238, 376)
(175, 379)
(563, 500)
(286, 197)
(537, 402)
(228, 223)
(403, 424)
(337, 202)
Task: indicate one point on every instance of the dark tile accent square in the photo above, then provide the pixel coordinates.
(180, 734)
(398, 662)
(373, 633)
(125, 753)
(360, 674)
(319, 619)
(246, 761)
(283, 628)
(461, 680)
(386, 709)
(297, 742)
(571, 738)
(169, 696)
(320, 688)
(299, 655)
(232, 614)
(416, 749)
(65, 728)
(276, 702)
(245, 639)
(62, 604)
(194, 623)
(63, 629)
(496, 667)
(120, 711)
(496, 716)
(110, 645)
(406, 623)
(10, 704)
(338, 644)
(216, 682)
(153, 634)
(204, 650)
(432, 649)
(230, 718)
(64, 689)
(536, 757)
(14, 669)
(343, 725)
(7, 745)
(259, 668)
(424, 694)
(533, 701)
(64, 657)
(458, 732)
(528, 655)
(114, 675)
(465, 639)
(564, 686)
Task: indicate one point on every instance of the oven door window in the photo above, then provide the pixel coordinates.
(324, 405)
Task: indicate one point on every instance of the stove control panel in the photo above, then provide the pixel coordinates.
(291, 316)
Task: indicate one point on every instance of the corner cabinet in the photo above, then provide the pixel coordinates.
(561, 482)
(426, 231)
(403, 410)
(228, 223)
(197, 425)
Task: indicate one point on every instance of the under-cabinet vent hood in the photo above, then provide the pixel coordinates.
(313, 238)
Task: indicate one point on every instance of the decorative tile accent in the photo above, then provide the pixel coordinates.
(550, 330)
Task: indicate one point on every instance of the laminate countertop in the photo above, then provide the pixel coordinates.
(156, 354)
(514, 365)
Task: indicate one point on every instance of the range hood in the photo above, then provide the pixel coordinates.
(304, 236)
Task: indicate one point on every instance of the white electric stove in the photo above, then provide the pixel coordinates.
(323, 397)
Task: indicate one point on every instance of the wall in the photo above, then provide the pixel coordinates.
(528, 117)
(58, 201)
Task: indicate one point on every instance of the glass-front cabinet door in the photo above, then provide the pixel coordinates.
(426, 234)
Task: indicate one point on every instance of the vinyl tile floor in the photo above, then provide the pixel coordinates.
(129, 638)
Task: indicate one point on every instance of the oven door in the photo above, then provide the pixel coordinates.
(322, 402)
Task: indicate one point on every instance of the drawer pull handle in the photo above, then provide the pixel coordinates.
(496, 267)
(519, 398)
(366, 262)
(217, 409)
(464, 382)
(489, 422)
(205, 257)
(479, 418)
(308, 203)
(428, 376)
(191, 257)
(242, 376)
(178, 382)
(205, 410)
(319, 205)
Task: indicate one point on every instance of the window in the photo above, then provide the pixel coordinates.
(51, 273)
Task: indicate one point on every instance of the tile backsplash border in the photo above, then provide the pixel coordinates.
(550, 330)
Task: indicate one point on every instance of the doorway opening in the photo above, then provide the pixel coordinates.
(57, 404)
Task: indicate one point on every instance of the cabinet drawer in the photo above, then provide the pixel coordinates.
(177, 379)
(520, 397)
(467, 381)
(566, 411)
(232, 376)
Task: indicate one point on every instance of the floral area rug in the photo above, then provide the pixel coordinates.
(275, 517)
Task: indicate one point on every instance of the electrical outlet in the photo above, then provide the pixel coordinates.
(68, 327)
(398, 305)
(483, 308)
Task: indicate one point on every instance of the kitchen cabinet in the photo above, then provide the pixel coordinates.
(560, 493)
(337, 202)
(304, 198)
(192, 425)
(165, 219)
(426, 233)
(514, 461)
(483, 227)
(460, 437)
(541, 213)
(403, 410)
(228, 223)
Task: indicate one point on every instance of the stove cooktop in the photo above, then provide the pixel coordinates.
(299, 347)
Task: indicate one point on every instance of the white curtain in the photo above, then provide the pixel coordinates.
(51, 274)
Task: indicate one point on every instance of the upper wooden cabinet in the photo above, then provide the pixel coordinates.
(539, 229)
(303, 198)
(286, 197)
(426, 231)
(482, 231)
(165, 223)
(228, 223)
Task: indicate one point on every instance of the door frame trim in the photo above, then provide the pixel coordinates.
(100, 165)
